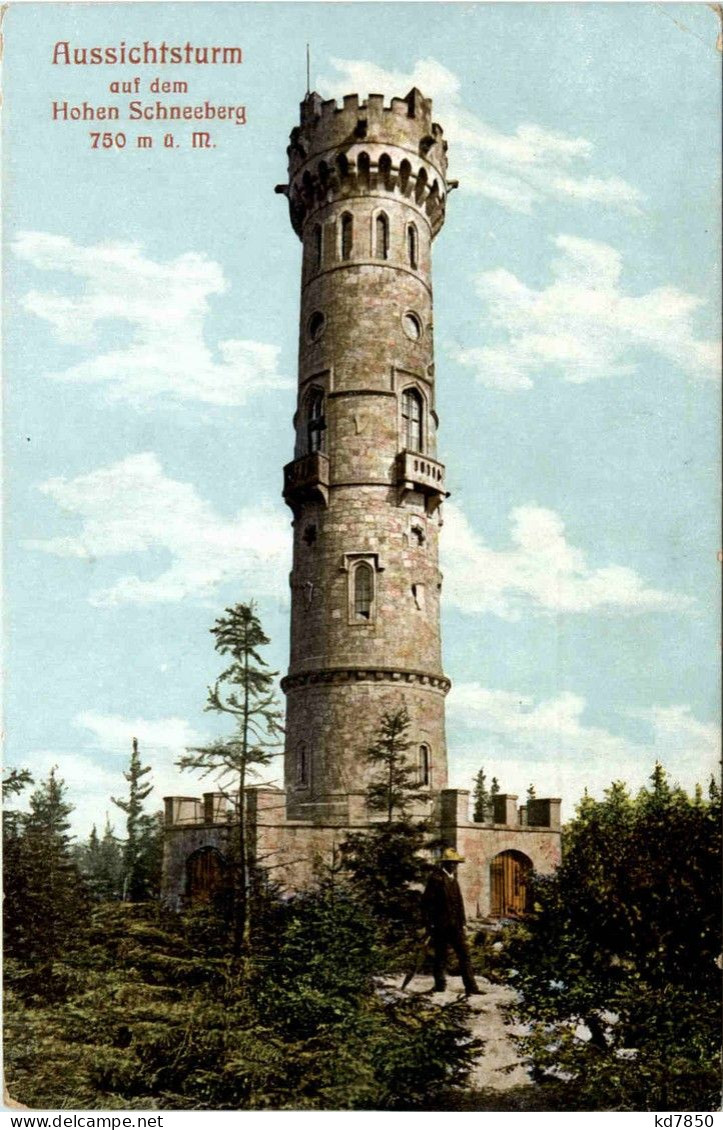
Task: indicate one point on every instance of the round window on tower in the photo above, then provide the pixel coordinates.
(412, 325)
(316, 325)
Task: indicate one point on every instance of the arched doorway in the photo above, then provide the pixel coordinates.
(509, 886)
(205, 875)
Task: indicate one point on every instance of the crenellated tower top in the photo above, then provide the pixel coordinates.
(365, 146)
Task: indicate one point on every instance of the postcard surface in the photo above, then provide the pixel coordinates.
(399, 325)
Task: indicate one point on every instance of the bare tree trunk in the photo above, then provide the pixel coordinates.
(241, 903)
(390, 805)
(239, 924)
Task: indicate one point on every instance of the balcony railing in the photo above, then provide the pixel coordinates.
(307, 478)
(419, 472)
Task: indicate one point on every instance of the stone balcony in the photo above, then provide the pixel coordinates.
(420, 473)
(307, 478)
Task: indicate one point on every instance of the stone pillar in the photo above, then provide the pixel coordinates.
(454, 811)
(544, 813)
(180, 810)
(214, 808)
(506, 810)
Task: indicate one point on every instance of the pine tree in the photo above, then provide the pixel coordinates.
(151, 854)
(44, 895)
(16, 781)
(101, 863)
(15, 864)
(244, 692)
(134, 885)
(385, 862)
(12, 785)
(494, 792)
(482, 801)
(398, 784)
(626, 939)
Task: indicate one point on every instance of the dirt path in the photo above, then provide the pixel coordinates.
(489, 1024)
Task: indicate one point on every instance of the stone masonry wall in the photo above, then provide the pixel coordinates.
(479, 845)
(365, 338)
(338, 722)
(296, 853)
(403, 632)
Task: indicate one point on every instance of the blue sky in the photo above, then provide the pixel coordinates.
(151, 312)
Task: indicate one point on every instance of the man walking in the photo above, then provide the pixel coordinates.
(443, 909)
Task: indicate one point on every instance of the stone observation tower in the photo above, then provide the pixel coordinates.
(367, 191)
(367, 194)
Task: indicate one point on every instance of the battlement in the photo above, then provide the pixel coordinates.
(405, 122)
(537, 813)
(325, 114)
(363, 145)
(216, 808)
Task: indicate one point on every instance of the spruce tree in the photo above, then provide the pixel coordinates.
(243, 691)
(44, 896)
(101, 862)
(626, 940)
(398, 783)
(494, 792)
(134, 882)
(385, 862)
(16, 781)
(482, 813)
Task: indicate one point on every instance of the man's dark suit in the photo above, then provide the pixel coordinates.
(443, 908)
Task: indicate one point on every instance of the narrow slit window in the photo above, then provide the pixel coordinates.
(318, 247)
(412, 246)
(302, 766)
(315, 421)
(382, 236)
(363, 591)
(424, 765)
(347, 235)
(412, 419)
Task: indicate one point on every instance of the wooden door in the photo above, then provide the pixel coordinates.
(206, 874)
(509, 889)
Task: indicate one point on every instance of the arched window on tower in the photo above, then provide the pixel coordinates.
(363, 591)
(315, 421)
(318, 247)
(347, 235)
(425, 766)
(381, 236)
(412, 437)
(412, 254)
(363, 170)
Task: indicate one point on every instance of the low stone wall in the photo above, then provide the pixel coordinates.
(297, 853)
(480, 845)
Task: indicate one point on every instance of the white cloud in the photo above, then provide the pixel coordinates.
(583, 326)
(95, 774)
(91, 782)
(111, 732)
(541, 571)
(519, 170)
(158, 309)
(548, 743)
(677, 731)
(132, 507)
